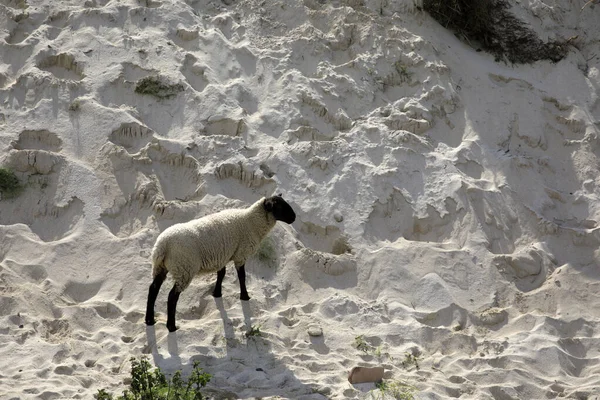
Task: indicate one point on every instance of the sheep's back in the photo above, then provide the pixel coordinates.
(203, 245)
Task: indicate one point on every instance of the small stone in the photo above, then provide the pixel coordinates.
(338, 216)
(315, 331)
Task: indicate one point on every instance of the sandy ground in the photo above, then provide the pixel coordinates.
(447, 204)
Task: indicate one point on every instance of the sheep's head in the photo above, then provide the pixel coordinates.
(280, 209)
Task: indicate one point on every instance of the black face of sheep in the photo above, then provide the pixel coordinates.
(280, 209)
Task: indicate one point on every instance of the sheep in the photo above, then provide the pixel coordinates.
(208, 244)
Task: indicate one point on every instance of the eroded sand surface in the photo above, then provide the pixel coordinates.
(447, 203)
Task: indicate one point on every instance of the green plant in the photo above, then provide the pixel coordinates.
(410, 359)
(267, 253)
(378, 351)
(9, 183)
(361, 344)
(153, 86)
(103, 395)
(396, 390)
(403, 71)
(491, 25)
(147, 384)
(253, 332)
(75, 105)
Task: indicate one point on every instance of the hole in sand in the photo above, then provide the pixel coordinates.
(245, 174)
(245, 98)
(187, 35)
(56, 222)
(328, 239)
(25, 26)
(132, 136)
(80, 292)
(7, 305)
(178, 177)
(340, 120)
(129, 219)
(470, 168)
(194, 72)
(38, 140)
(307, 133)
(49, 221)
(30, 272)
(132, 72)
(224, 127)
(433, 227)
(63, 66)
(54, 331)
(390, 218)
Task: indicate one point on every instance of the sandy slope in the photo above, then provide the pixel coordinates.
(447, 203)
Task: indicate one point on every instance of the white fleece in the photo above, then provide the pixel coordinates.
(207, 244)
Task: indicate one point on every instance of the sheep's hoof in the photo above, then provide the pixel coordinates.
(216, 295)
(172, 328)
(150, 321)
(244, 297)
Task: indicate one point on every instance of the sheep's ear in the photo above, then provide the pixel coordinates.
(268, 204)
(280, 195)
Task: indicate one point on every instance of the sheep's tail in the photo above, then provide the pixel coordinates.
(158, 259)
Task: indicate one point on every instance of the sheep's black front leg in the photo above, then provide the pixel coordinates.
(241, 271)
(220, 276)
(152, 294)
(172, 308)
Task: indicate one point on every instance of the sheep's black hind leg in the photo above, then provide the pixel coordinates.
(172, 308)
(220, 276)
(152, 294)
(241, 271)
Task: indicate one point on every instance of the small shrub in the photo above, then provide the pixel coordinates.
(396, 390)
(341, 246)
(411, 359)
(267, 252)
(403, 71)
(103, 395)
(75, 105)
(9, 184)
(147, 384)
(153, 86)
(254, 331)
(361, 344)
(491, 24)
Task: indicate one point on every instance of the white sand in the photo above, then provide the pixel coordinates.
(466, 190)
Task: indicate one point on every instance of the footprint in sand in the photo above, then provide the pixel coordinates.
(80, 292)
(194, 72)
(108, 311)
(54, 331)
